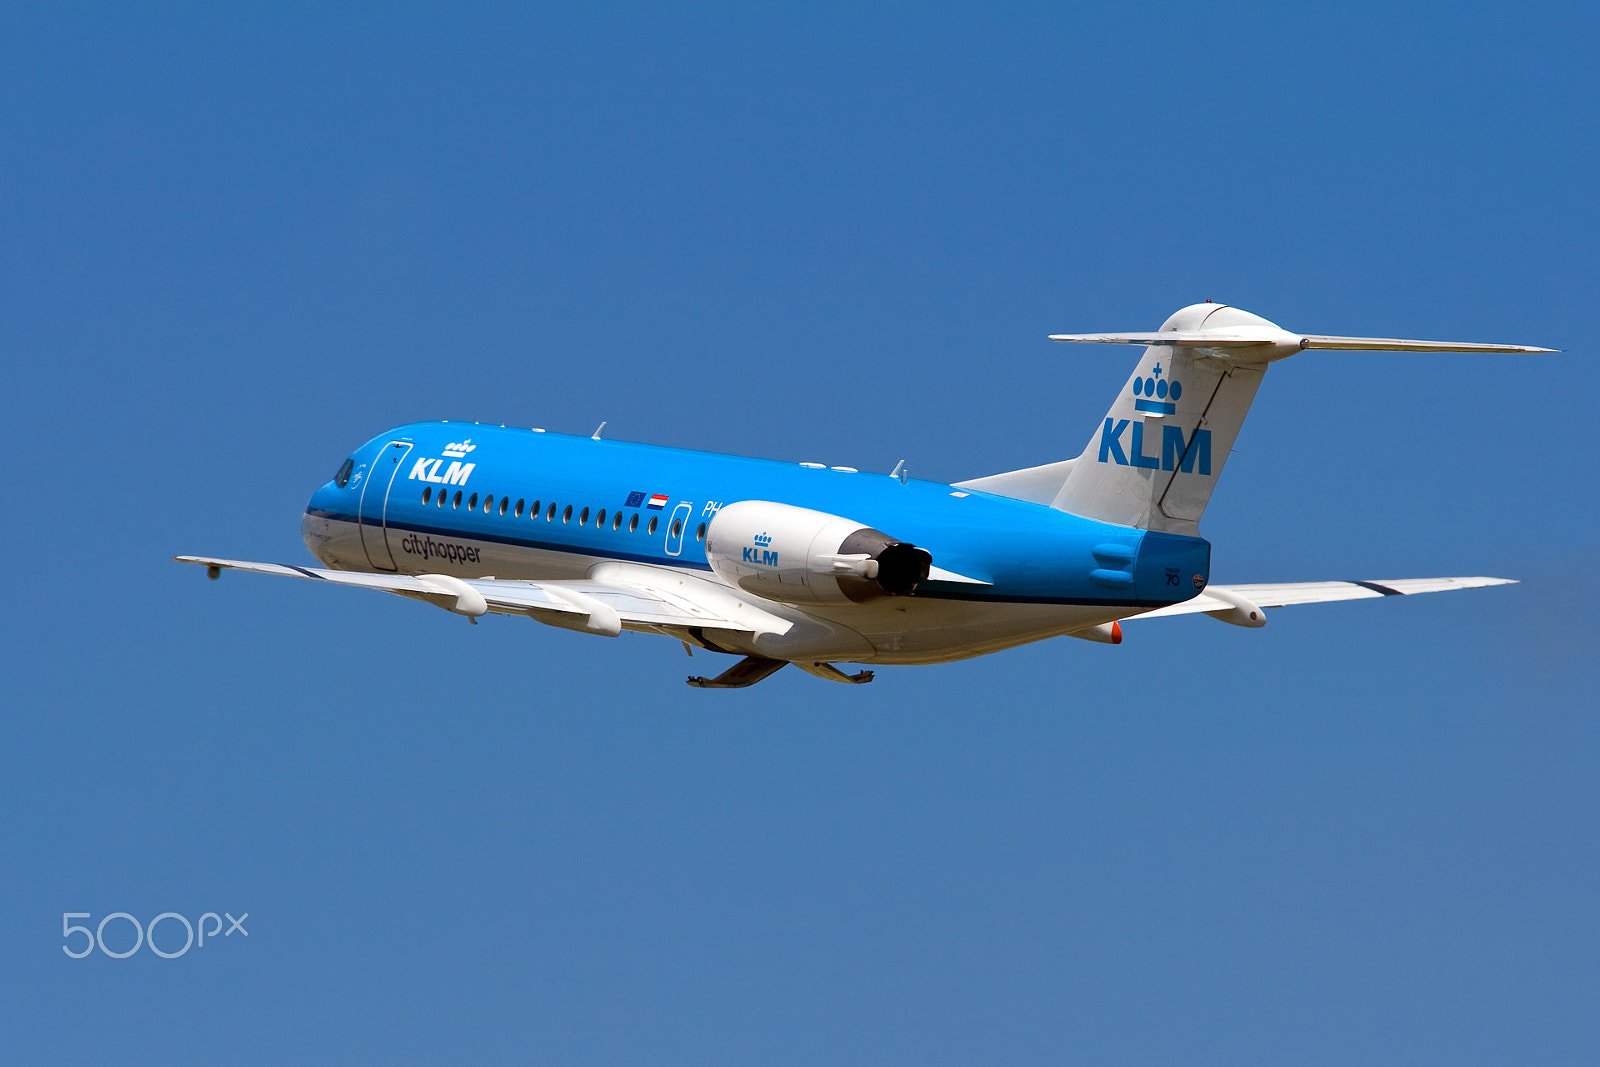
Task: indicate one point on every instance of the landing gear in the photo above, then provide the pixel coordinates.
(746, 672)
(752, 669)
(834, 674)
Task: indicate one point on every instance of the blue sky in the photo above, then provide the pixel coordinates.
(237, 242)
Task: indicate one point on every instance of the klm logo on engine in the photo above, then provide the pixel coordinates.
(427, 469)
(760, 553)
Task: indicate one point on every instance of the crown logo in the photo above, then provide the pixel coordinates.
(1156, 395)
(763, 539)
(459, 450)
(1157, 388)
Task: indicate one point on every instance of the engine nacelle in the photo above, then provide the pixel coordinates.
(799, 556)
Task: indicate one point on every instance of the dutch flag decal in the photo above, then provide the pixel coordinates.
(657, 502)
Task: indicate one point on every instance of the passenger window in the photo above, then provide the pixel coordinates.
(550, 516)
(342, 479)
(566, 514)
(427, 494)
(472, 502)
(600, 519)
(616, 523)
(652, 528)
(442, 495)
(583, 517)
(700, 534)
(457, 502)
(633, 523)
(518, 513)
(677, 527)
(488, 504)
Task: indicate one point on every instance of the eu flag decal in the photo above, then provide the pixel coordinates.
(634, 500)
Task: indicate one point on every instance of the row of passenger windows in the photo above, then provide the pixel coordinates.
(549, 513)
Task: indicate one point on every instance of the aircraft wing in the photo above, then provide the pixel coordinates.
(1241, 604)
(613, 596)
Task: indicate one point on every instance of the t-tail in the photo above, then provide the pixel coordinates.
(1155, 458)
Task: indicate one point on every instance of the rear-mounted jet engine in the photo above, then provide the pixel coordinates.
(799, 556)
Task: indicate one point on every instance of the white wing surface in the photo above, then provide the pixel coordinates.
(614, 596)
(1243, 604)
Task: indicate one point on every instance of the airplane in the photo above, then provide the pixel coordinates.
(779, 562)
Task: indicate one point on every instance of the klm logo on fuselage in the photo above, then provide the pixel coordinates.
(427, 469)
(759, 553)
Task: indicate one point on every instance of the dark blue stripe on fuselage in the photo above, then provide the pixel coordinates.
(519, 542)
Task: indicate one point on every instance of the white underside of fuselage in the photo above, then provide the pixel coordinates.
(893, 630)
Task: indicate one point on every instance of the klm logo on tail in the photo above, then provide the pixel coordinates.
(1192, 456)
(1157, 396)
(1155, 392)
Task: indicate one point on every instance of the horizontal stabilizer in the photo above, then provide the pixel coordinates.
(1390, 344)
(1193, 339)
(1283, 340)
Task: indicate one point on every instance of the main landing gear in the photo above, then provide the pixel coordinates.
(753, 669)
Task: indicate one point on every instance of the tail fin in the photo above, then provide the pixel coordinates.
(1157, 456)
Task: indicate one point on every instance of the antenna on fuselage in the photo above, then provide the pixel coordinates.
(900, 472)
(596, 435)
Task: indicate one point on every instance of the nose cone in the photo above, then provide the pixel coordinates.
(315, 532)
(321, 525)
(327, 499)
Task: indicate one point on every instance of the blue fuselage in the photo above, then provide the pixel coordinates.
(471, 500)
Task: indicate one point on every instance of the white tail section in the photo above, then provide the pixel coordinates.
(1156, 457)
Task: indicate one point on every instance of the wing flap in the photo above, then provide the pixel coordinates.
(390, 583)
(639, 596)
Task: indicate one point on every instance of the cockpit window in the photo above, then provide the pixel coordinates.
(342, 479)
